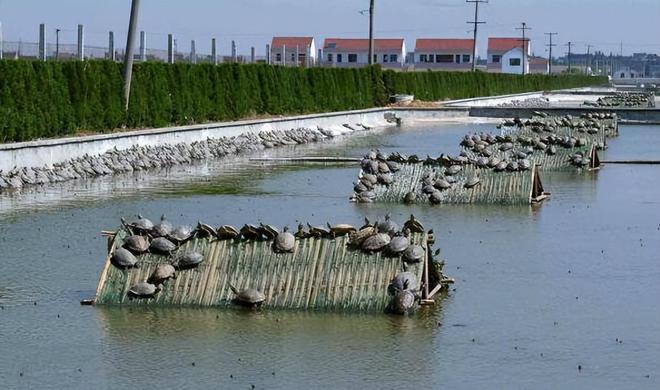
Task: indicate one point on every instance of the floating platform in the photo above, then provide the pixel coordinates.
(322, 274)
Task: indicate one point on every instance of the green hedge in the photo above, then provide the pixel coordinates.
(49, 99)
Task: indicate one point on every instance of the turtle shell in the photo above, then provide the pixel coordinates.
(413, 225)
(181, 233)
(268, 231)
(413, 254)
(136, 244)
(402, 281)
(341, 229)
(284, 242)
(453, 170)
(397, 244)
(376, 242)
(188, 260)
(250, 232)
(162, 245)
(142, 290)
(472, 182)
(226, 232)
(163, 228)
(141, 224)
(356, 239)
(162, 273)
(249, 297)
(123, 259)
(204, 230)
(410, 197)
(402, 303)
(388, 226)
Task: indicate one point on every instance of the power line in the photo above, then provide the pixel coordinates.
(550, 45)
(476, 23)
(524, 44)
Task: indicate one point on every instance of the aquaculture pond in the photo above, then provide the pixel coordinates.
(559, 295)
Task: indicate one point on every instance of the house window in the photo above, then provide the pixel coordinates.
(293, 57)
(444, 58)
(623, 75)
(375, 59)
(422, 58)
(458, 58)
(394, 58)
(329, 57)
(514, 61)
(339, 58)
(352, 58)
(466, 58)
(497, 59)
(431, 58)
(278, 57)
(386, 58)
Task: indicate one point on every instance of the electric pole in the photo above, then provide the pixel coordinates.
(476, 23)
(57, 44)
(524, 45)
(588, 64)
(130, 46)
(550, 46)
(371, 32)
(569, 44)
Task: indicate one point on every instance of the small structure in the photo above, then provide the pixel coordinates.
(505, 55)
(442, 53)
(539, 65)
(341, 52)
(283, 51)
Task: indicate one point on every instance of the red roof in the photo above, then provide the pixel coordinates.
(505, 44)
(362, 44)
(289, 42)
(442, 44)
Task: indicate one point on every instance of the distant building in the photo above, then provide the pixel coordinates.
(626, 73)
(539, 65)
(283, 51)
(342, 52)
(506, 55)
(442, 53)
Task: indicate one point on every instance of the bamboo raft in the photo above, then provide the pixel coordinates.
(321, 274)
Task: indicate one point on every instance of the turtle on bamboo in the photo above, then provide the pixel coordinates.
(123, 259)
(410, 197)
(181, 234)
(162, 228)
(140, 225)
(402, 281)
(204, 230)
(136, 244)
(442, 184)
(376, 242)
(367, 223)
(188, 260)
(388, 225)
(318, 231)
(413, 254)
(249, 297)
(472, 182)
(341, 229)
(284, 242)
(402, 303)
(413, 225)
(250, 232)
(301, 232)
(398, 243)
(162, 245)
(226, 232)
(142, 290)
(356, 239)
(161, 274)
(453, 170)
(436, 197)
(268, 231)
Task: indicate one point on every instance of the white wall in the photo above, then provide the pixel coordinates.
(514, 54)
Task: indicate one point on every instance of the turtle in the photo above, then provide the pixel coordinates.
(142, 290)
(367, 223)
(393, 166)
(360, 187)
(249, 297)
(410, 197)
(472, 182)
(524, 164)
(369, 178)
(268, 231)
(162, 228)
(284, 242)
(318, 231)
(493, 161)
(341, 229)
(453, 170)
(162, 273)
(385, 178)
(226, 232)
(162, 245)
(501, 166)
(376, 242)
(402, 281)
(442, 184)
(136, 244)
(356, 239)
(301, 232)
(383, 167)
(204, 230)
(188, 260)
(388, 225)
(140, 225)
(413, 225)
(251, 232)
(413, 253)
(397, 244)
(402, 303)
(512, 166)
(181, 234)
(123, 259)
(436, 197)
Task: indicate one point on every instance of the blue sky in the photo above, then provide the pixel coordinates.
(601, 23)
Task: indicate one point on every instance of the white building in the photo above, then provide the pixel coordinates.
(626, 73)
(442, 53)
(506, 55)
(340, 52)
(283, 51)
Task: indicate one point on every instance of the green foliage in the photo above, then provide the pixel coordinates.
(51, 99)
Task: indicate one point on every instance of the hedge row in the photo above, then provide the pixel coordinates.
(49, 99)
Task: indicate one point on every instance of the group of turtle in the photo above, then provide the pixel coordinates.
(436, 183)
(625, 99)
(139, 158)
(544, 122)
(376, 168)
(390, 238)
(404, 294)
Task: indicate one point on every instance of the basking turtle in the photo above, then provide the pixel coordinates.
(388, 226)
(397, 244)
(284, 242)
(360, 187)
(163, 228)
(162, 245)
(376, 242)
(188, 260)
(123, 259)
(436, 197)
(410, 197)
(356, 239)
(493, 161)
(369, 178)
(402, 303)
(161, 274)
(383, 167)
(413, 253)
(442, 184)
(301, 232)
(402, 281)
(249, 297)
(251, 232)
(341, 229)
(385, 179)
(181, 234)
(204, 230)
(512, 166)
(318, 231)
(140, 225)
(472, 182)
(226, 232)
(367, 223)
(142, 290)
(453, 170)
(501, 166)
(393, 165)
(136, 244)
(524, 165)
(413, 225)
(268, 231)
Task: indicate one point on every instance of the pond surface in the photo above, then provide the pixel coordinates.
(539, 291)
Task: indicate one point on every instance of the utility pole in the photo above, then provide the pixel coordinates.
(569, 44)
(524, 45)
(371, 32)
(130, 47)
(550, 46)
(57, 44)
(476, 23)
(588, 64)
